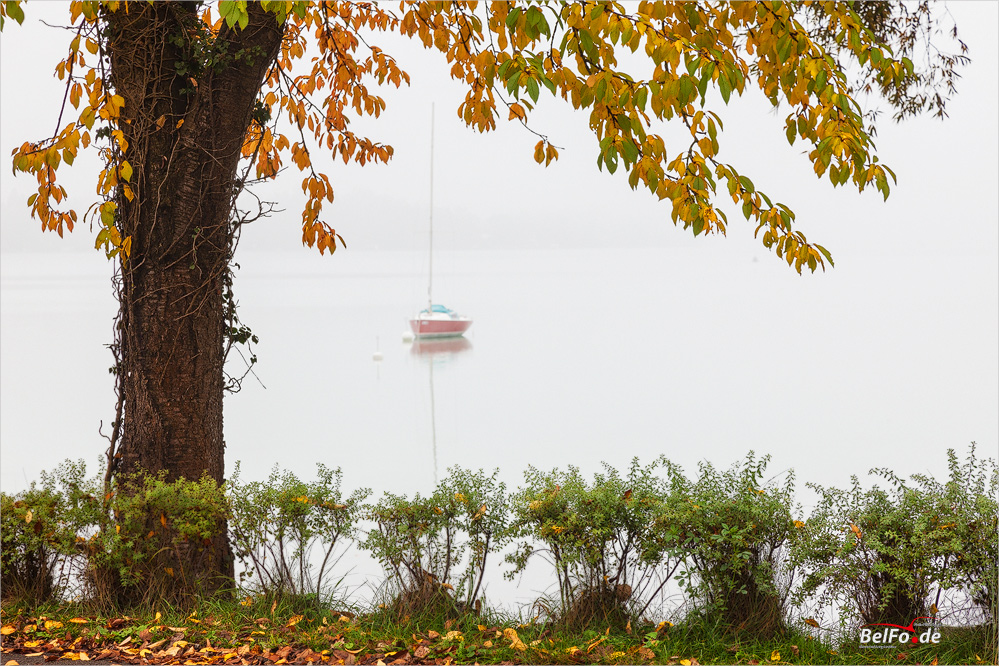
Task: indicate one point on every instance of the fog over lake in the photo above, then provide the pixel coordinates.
(601, 332)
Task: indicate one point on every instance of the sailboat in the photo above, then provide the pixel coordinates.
(436, 320)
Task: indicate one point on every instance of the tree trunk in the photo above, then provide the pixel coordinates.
(189, 98)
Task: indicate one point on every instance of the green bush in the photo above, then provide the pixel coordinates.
(734, 531)
(41, 530)
(434, 550)
(276, 525)
(598, 538)
(163, 537)
(880, 554)
(963, 533)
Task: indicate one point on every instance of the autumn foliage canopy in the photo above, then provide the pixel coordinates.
(697, 55)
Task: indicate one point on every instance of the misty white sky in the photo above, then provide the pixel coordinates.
(938, 230)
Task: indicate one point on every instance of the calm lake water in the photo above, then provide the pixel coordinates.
(575, 357)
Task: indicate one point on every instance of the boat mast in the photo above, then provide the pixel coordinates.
(430, 281)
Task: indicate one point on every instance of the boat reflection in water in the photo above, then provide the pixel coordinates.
(440, 348)
(438, 351)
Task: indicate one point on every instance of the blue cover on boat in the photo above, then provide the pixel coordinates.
(439, 308)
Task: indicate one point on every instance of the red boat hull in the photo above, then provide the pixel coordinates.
(439, 328)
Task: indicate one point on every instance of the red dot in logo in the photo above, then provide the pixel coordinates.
(915, 640)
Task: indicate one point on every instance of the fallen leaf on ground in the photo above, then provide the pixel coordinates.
(515, 642)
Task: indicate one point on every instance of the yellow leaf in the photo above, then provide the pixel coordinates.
(811, 622)
(79, 620)
(295, 620)
(775, 656)
(856, 531)
(169, 571)
(160, 121)
(10, 663)
(515, 642)
(52, 624)
(7, 629)
(487, 644)
(84, 656)
(798, 524)
(179, 123)
(125, 170)
(162, 520)
(685, 662)
(27, 516)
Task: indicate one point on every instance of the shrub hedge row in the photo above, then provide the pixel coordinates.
(737, 546)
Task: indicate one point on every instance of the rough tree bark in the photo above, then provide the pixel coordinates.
(189, 99)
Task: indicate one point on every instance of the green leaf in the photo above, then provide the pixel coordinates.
(702, 86)
(630, 151)
(504, 68)
(747, 184)
(725, 87)
(641, 96)
(14, 11)
(692, 64)
(532, 89)
(624, 122)
(610, 159)
(820, 80)
(511, 18)
(587, 43)
(686, 90)
(825, 253)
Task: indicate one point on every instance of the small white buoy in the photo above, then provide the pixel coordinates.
(407, 336)
(377, 356)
